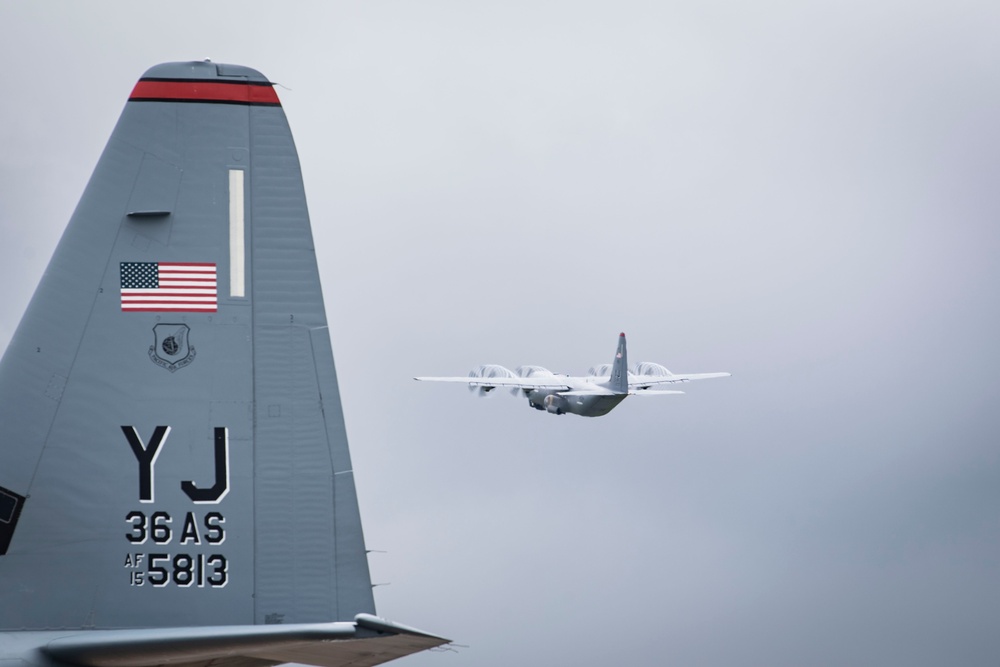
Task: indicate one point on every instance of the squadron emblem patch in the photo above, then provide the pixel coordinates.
(171, 348)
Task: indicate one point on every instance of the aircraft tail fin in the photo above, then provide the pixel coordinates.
(619, 368)
(172, 446)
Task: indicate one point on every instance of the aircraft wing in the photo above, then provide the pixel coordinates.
(642, 381)
(553, 383)
(367, 641)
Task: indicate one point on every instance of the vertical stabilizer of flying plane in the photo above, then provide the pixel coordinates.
(172, 446)
(619, 368)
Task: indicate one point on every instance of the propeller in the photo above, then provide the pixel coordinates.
(650, 368)
(600, 370)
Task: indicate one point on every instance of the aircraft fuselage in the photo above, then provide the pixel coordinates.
(585, 406)
(593, 395)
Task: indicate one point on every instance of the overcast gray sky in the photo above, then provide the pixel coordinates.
(805, 194)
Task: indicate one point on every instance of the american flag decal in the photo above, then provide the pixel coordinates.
(168, 287)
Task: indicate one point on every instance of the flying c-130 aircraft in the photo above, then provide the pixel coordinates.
(175, 481)
(593, 395)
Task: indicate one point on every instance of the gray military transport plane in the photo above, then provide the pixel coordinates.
(175, 482)
(593, 395)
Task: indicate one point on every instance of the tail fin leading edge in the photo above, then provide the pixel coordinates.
(172, 445)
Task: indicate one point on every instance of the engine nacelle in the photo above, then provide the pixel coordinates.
(488, 371)
(529, 372)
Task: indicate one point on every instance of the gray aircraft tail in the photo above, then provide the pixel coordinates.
(619, 368)
(172, 446)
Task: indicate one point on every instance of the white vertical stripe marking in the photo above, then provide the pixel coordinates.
(237, 246)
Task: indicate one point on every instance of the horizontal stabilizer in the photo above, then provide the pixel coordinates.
(635, 381)
(596, 391)
(702, 376)
(653, 392)
(367, 641)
